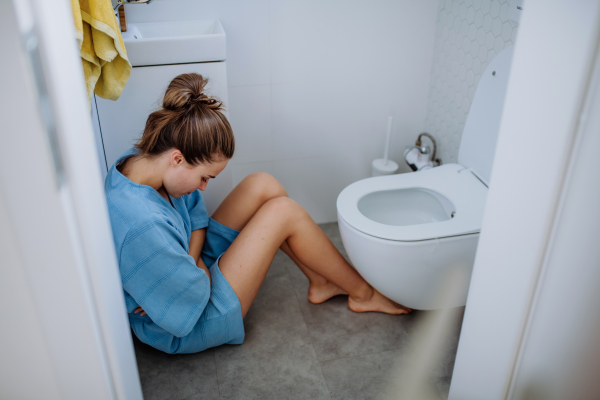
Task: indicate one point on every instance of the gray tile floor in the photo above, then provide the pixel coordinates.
(294, 349)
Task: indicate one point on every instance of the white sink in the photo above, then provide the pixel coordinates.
(160, 43)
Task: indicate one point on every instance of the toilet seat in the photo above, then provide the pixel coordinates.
(458, 184)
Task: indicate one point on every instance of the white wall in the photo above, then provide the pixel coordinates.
(469, 34)
(311, 84)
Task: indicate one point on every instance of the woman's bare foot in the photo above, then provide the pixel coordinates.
(377, 303)
(318, 293)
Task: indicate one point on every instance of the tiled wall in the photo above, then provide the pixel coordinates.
(469, 34)
(312, 82)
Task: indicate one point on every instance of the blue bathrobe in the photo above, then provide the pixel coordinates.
(186, 312)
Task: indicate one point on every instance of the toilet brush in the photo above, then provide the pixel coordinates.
(384, 166)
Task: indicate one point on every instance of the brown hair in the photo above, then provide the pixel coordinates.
(189, 121)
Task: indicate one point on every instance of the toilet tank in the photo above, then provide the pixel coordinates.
(478, 143)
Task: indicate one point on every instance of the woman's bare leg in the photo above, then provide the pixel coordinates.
(319, 288)
(241, 205)
(247, 260)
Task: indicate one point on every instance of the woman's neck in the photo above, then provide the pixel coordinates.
(144, 171)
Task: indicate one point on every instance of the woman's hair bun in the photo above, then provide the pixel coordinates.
(185, 91)
(189, 121)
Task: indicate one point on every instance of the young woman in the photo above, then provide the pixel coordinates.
(188, 279)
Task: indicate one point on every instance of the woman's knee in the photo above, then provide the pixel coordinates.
(264, 186)
(284, 209)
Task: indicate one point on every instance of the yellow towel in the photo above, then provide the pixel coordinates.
(105, 64)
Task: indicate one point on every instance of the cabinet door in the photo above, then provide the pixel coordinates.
(122, 122)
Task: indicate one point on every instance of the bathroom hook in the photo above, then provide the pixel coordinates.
(419, 144)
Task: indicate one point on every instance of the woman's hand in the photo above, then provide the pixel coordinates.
(139, 309)
(196, 242)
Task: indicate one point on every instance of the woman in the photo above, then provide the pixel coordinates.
(188, 279)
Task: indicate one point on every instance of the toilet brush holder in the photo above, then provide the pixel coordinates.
(385, 166)
(380, 167)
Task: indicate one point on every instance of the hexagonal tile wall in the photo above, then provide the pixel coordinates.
(469, 34)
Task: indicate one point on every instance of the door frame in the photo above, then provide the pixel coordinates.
(53, 196)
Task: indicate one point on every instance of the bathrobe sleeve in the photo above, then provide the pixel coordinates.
(162, 278)
(196, 210)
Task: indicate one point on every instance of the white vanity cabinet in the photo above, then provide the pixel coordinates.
(122, 122)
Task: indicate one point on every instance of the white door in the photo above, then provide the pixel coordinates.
(65, 331)
(531, 324)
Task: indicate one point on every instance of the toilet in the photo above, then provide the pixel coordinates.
(407, 233)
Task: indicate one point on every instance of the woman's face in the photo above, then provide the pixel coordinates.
(182, 178)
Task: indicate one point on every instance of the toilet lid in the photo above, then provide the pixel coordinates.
(465, 194)
(478, 141)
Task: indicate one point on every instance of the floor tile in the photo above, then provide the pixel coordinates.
(176, 376)
(273, 325)
(364, 377)
(277, 359)
(442, 375)
(338, 332)
(443, 364)
(280, 378)
(279, 266)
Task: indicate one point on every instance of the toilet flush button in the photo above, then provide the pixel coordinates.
(515, 8)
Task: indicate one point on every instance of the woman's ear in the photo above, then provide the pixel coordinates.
(176, 157)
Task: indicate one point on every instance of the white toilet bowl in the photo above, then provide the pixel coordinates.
(405, 233)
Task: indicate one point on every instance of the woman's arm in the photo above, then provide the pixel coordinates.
(196, 242)
(149, 262)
